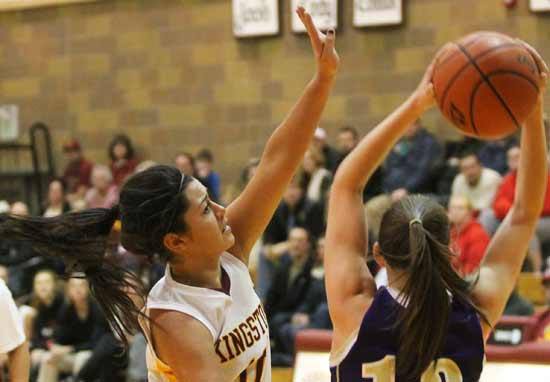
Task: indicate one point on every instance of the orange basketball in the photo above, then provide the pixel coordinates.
(486, 84)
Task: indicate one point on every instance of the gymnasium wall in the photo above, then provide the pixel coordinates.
(171, 75)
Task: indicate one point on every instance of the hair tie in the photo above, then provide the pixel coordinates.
(415, 220)
(181, 182)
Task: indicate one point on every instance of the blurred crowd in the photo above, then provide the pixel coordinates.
(68, 336)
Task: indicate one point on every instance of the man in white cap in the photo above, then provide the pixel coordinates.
(330, 154)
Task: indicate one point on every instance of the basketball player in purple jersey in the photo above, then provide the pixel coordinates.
(428, 324)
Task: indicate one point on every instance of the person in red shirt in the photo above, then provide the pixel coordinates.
(123, 161)
(77, 174)
(468, 238)
(504, 199)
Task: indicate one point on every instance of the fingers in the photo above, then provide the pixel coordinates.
(329, 43)
(311, 29)
(541, 64)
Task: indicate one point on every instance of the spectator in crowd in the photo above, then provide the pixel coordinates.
(315, 177)
(44, 305)
(204, 163)
(4, 207)
(518, 306)
(104, 193)
(78, 172)
(312, 313)
(185, 163)
(347, 139)
(476, 183)
(492, 154)
(504, 200)
(291, 284)
(331, 156)
(123, 161)
(20, 260)
(12, 338)
(295, 210)
(79, 325)
(235, 189)
(410, 166)
(56, 203)
(468, 238)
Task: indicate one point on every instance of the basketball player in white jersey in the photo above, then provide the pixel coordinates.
(205, 321)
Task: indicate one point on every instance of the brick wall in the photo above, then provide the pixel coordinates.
(170, 74)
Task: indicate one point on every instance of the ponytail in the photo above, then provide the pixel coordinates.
(80, 240)
(422, 251)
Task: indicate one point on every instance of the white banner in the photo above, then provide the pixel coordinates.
(377, 12)
(9, 122)
(255, 17)
(324, 13)
(540, 5)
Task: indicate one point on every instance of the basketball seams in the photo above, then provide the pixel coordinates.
(491, 86)
(467, 64)
(472, 104)
(514, 73)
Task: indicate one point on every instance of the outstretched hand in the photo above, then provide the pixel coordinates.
(323, 46)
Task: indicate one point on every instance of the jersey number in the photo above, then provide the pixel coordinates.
(446, 370)
(257, 374)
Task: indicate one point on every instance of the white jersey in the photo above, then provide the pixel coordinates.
(237, 322)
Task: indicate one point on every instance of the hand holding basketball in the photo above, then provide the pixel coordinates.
(323, 46)
(424, 95)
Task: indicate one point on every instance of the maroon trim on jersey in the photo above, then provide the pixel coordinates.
(226, 283)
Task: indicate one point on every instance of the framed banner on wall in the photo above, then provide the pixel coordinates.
(9, 123)
(255, 18)
(324, 13)
(540, 5)
(368, 13)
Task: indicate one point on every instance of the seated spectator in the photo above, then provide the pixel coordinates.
(12, 338)
(492, 154)
(78, 172)
(21, 260)
(103, 194)
(57, 203)
(468, 238)
(518, 306)
(347, 139)
(331, 156)
(204, 163)
(185, 163)
(312, 313)
(476, 183)
(79, 325)
(123, 161)
(410, 166)
(504, 200)
(44, 305)
(291, 283)
(316, 179)
(295, 210)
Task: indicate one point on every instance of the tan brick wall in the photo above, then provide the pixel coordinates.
(171, 75)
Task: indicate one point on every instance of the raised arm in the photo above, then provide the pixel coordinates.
(508, 248)
(250, 213)
(350, 286)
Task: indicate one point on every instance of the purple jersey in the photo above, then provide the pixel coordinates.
(371, 358)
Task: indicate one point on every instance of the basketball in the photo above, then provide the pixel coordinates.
(486, 84)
